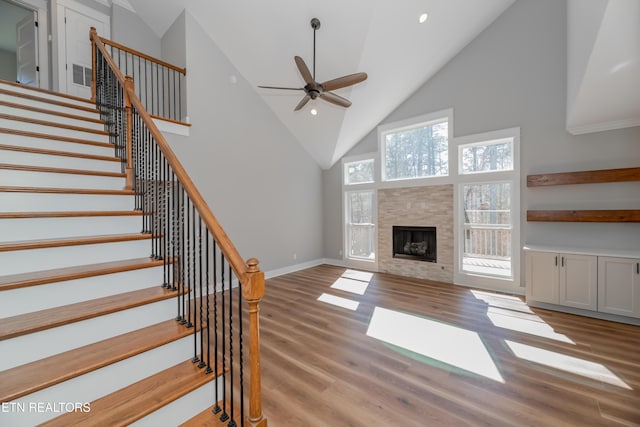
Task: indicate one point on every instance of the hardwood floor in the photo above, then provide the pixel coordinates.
(326, 365)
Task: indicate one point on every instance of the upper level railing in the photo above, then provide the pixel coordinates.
(201, 264)
(160, 86)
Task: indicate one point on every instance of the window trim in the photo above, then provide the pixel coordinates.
(445, 115)
(513, 284)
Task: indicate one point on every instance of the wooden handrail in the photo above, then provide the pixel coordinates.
(225, 244)
(143, 55)
(249, 274)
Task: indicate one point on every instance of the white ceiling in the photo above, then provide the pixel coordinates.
(380, 37)
(384, 39)
(603, 69)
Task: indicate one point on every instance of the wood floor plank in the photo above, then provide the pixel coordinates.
(27, 323)
(34, 376)
(321, 368)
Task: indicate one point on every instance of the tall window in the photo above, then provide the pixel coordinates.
(488, 205)
(359, 209)
(416, 151)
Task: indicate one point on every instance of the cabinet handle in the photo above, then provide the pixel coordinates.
(563, 261)
(637, 267)
(556, 260)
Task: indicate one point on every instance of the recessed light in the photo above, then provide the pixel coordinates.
(423, 18)
(314, 112)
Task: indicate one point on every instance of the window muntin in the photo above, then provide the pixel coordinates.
(490, 156)
(419, 151)
(360, 224)
(359, 172)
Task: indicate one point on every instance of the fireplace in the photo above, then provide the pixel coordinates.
(415, 243)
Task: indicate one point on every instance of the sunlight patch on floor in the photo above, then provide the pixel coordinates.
(339, 301)
(573, 365)
(509, 312)
(363, 276)
(449, 344)
(349, 285)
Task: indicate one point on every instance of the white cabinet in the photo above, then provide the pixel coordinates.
(619, 286)
(562, 278)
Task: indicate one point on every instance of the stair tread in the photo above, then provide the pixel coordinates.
(53, 124)
(41, 277)
(50, 111)
(12, 189)
(36, 321)
(41, 90)
(207, 418)
(58, 153)
(66, 214)
(71, 241)
(89, 108)
(140, 399)
(34, 376)
(49, 169)
(55, 137)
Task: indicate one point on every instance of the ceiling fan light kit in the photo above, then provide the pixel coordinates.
(312, 88)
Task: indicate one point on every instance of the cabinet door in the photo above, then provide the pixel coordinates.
(619, 286)
(542, 276)
(579, 281)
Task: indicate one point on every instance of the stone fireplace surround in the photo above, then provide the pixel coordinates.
(430, 206)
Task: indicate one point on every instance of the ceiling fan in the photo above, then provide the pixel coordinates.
(313, 89)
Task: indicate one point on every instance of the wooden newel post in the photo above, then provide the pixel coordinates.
(252, 292)
(128, 88)
(92, 35)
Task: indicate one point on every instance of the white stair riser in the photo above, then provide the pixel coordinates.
(35, 298)
(109, 379)
(15, 229)
(52, 130)
(35, 159)
(16, 262)
(183, 409)
(40, 202)
(28, 348)
(52, 144)
(21, 178)
(37, 115)
(47, 95)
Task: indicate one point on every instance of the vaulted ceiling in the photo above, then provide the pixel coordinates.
(384, 39)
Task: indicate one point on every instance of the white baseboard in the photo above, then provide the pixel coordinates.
(293, 268)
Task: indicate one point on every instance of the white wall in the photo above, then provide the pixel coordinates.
(265, 190)
(514, 75)
(7, 65)
(128, 29)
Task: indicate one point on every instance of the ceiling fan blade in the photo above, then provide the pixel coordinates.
(335, 99)
(304, 70)
(344, 81)
(279, 87)
(302, 103)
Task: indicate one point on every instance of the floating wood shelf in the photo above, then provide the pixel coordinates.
(629, 215)
(584, 177)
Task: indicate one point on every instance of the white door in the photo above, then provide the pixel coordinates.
(579, 281)
(619, 286)
(542, 276)
(27, 50)
(76, 47)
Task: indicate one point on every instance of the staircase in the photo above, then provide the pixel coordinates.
(88, 334)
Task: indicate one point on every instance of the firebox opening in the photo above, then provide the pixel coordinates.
(416, 243)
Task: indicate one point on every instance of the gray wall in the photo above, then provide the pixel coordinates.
(7, 65)
(128, 29)
(514, 74)
(265, 190)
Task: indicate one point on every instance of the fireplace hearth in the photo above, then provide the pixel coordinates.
(414, 243)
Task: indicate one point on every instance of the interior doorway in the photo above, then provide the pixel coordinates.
(19, 43)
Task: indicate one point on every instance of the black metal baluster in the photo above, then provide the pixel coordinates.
(216, 407)
(208, 321)
(224, 416)
(194, 301)
(201, 364)
(232, 423)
